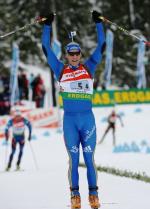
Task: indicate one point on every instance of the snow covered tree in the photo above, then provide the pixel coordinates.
(75, 15)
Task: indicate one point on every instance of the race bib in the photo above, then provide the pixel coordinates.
(79, 86)
(76, 84)
(18, 128)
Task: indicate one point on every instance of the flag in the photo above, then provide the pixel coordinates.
(14, 75)
(56, 46)
(109, 55)
(141, 78)
(72, 34)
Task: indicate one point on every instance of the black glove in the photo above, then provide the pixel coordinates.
(49, 18)
(29, 138)
(95, 16)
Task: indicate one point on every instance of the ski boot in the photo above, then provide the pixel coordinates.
(75, 202)
(94, 201)
(17, 167)
(7, 168)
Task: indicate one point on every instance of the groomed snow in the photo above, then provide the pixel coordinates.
(47, 187)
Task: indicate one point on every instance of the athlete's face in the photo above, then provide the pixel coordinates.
(73, 58)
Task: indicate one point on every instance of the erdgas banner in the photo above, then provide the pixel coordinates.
(119, 97)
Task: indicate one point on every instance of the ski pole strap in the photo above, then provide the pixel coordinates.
(93, 188)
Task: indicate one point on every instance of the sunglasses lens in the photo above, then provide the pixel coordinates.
(74, 53)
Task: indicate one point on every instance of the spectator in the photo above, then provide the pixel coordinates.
(23, 85)
(4, 95)
(38, 91)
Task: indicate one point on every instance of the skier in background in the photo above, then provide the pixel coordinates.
(76, 86)
(112, 125)
(18, 124)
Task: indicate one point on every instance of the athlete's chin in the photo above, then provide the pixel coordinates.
(75, 63)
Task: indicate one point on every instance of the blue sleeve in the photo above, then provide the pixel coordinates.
(9, 124)
(28, 124)
(55, 64)
(96, 57)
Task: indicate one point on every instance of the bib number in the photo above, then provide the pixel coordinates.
(80, 85)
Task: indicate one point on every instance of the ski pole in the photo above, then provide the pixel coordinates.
(33, 155)
(6, 154)
(124, 30)
(37, 20)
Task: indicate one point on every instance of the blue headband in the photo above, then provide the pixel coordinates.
(73, 47)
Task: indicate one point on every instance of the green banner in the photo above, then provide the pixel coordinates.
(119, 97)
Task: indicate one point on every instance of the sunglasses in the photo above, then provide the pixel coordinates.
(74, 53)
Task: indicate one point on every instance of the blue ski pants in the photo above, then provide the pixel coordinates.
(80, 128)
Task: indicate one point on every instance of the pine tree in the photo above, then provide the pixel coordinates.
(125, 48)
(71, 15)
(75, 15)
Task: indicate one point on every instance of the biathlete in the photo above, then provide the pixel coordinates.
(18, 124)
(112, 125)
(76, 86)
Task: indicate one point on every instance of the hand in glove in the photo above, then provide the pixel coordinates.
(49, 18)
(96, 16)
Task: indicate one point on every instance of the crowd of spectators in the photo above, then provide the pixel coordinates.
(29, 87)
(4, 94)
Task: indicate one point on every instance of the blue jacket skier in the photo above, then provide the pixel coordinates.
(76, 87)
(18, 124)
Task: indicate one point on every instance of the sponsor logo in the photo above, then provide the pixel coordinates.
(87, 149)
(77, 96)
(89, 133)
(74, 149)
(74, 74)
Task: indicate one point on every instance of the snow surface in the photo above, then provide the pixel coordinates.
(136, 131)
(47, 187)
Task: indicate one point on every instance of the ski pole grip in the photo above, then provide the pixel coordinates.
(102, 18)
(40, 19)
